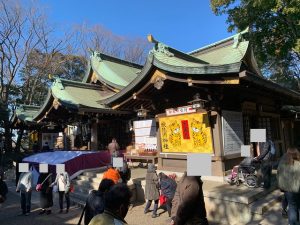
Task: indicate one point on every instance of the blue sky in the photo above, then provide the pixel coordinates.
(185, 25)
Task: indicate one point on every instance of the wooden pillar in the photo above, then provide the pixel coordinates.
(94, 136)
(160, 165)
(218, 167)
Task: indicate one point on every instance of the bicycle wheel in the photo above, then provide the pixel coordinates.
(251, 181)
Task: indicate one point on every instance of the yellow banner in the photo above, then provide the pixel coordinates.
(186, 133)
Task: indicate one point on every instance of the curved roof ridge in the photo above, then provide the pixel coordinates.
(78, 84)
(43, 107)
(107, 82)
(101, 56)
(160, 47)
(28, 107)
(232, 37)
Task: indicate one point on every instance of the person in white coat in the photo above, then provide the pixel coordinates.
(24, 186)
(62, 181)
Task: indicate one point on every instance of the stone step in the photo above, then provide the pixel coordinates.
(77, 201)
(92, 173)
(99, 175)
(78, 195)
(82, 189)
(263, 204)
(91, 179)
(87, 184)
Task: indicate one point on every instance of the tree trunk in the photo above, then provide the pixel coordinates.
(7, 135)
(19, 139)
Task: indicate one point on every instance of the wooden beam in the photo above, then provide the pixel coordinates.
(223, 80)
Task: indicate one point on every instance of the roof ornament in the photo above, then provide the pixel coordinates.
(236, 40)
(239, 37)
(162, 48)
(159, 47)
(58, 83)
(96, 55)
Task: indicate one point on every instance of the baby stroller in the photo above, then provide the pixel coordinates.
(244, 173)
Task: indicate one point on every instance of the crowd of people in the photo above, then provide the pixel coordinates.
(46, 187)
(183, 200)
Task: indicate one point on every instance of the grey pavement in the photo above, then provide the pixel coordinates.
(11, 208)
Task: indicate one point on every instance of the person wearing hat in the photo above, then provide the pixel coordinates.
(152, 190)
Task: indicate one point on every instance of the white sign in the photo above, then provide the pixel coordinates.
(232, 131)
(180, 110)
(151, 143)
(143, 123)
(145, 134)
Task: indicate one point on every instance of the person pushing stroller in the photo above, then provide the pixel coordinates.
(255, 171)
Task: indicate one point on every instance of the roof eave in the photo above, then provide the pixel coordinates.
(246, 75)
(205, 69)
(147, 67)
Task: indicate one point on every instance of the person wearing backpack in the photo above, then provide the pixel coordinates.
(3, 189)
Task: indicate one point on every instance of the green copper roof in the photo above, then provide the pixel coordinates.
(26, 113)
(230, 50)
(79, 94)
(111, 71)
(173, 57)
(174, 62)
(225, 55)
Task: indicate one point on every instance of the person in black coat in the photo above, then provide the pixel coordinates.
(168, 188)
(46, 196)
(3, 190)
(125, 173)
(264, 157)
(95, 201)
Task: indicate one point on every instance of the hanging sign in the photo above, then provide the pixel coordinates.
(186, 133)
(180, 110)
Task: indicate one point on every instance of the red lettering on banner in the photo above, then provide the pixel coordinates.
(185, 129)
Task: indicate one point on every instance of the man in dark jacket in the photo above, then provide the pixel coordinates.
(116, 201)
(168, 188)
(95, 201)
(264, 156)
(125, 173)
(188, 202)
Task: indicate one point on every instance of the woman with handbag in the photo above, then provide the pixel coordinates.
(46, 196)
(62, 181)
(168, 187)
